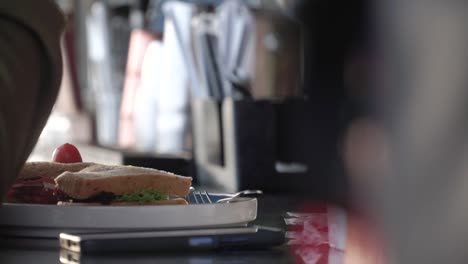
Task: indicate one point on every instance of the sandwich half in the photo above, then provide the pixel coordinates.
(35, 182)
(121, 185)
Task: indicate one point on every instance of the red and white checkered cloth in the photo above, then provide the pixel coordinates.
(324, 234)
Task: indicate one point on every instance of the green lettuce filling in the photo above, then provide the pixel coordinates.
(143, 196)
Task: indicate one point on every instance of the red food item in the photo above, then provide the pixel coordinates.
(38, 190)
(43, 190)
(66, 153)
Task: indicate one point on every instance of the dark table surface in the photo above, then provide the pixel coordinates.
(271, 210)
(53, 256)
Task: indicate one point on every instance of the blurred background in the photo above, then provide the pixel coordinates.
(237, 94)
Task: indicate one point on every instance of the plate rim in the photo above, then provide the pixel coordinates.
(58, 216)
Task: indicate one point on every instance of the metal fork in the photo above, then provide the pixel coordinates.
(239, 195)
(200, 197)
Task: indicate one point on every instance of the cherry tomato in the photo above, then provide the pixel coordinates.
(66, 153)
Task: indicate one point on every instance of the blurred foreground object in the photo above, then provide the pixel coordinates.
(30, 73)
(421, 199)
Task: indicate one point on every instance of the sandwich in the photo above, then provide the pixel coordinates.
(121, 185)
(96, 184)
(35, 182)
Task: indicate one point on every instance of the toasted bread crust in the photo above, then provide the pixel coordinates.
(178, 201)
(50, 170)
(120, 180)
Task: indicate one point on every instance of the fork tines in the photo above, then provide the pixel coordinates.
(201, 197)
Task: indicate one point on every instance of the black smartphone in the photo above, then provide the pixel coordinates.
(249, 237)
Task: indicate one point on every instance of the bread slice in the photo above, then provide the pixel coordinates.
(50, 170)
(120, 180)
(178, 201)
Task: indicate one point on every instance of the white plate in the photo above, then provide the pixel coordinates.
(49, 220)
